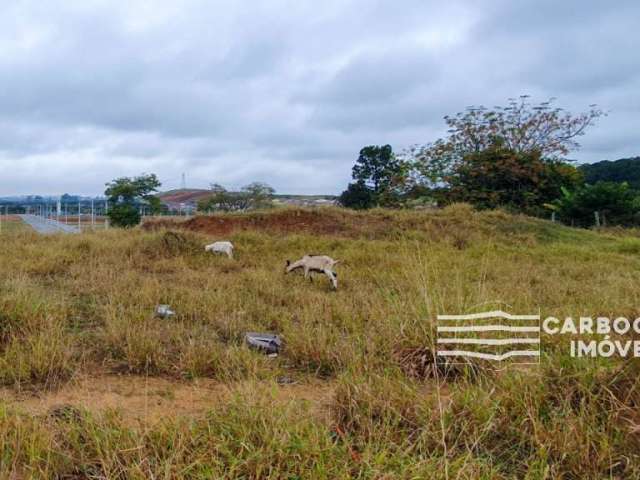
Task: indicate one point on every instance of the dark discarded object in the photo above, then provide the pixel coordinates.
(164, 311)
(65, 412)
(265, 342)
(285, 380)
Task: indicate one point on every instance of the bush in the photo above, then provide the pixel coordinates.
(358, 196)
(124, 215)
(498, 177)
(616, 203)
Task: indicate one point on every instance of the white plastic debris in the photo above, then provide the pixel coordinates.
(265, 342)
(164, 311)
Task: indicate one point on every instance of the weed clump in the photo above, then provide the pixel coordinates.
(422, 363)
(65, 413)
(171, 244)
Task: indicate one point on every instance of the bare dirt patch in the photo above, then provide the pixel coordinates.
(146, 400)
(285, 221)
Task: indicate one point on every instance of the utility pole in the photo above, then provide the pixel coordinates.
(79, 212)
(93, 223)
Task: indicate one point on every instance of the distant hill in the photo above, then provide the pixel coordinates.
(623, 170)
(193, 195)
(189, 195)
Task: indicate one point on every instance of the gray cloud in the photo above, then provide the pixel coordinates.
(281, 91)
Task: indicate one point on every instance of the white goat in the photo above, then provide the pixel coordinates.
(221, 247)
(315, 263)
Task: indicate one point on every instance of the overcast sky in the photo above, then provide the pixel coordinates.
(287, 92)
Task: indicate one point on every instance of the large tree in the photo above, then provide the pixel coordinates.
(380, 177)
(520, 127)
(258, 194)
(377, 167)
(125, 194)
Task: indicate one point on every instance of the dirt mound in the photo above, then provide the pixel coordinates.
(459, 225)
(286, 221)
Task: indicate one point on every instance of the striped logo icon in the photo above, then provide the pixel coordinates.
(492, 335)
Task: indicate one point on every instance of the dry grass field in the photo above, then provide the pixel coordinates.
(11, 224)
(95, 387)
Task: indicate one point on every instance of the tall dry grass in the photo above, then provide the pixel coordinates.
(77, 304)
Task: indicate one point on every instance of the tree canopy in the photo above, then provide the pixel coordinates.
(251, 196)
(377, 167)
(520, 127)
(380, 177)
(512, 156)
(500, 177)
(124, 194)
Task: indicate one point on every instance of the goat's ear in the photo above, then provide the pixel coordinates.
(335, 262)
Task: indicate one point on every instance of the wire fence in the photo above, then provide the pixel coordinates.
(83, 216)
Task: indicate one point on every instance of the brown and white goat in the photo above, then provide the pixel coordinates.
(315, 263)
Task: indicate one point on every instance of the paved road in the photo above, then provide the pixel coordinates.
(46, 226)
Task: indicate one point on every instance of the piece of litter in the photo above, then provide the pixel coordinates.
(65, 412)
(164, 311)
(284, 380)
(265, 342)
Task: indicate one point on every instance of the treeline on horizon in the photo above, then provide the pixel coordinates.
(513, 157)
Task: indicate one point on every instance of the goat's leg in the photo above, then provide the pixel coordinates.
(332, 277)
